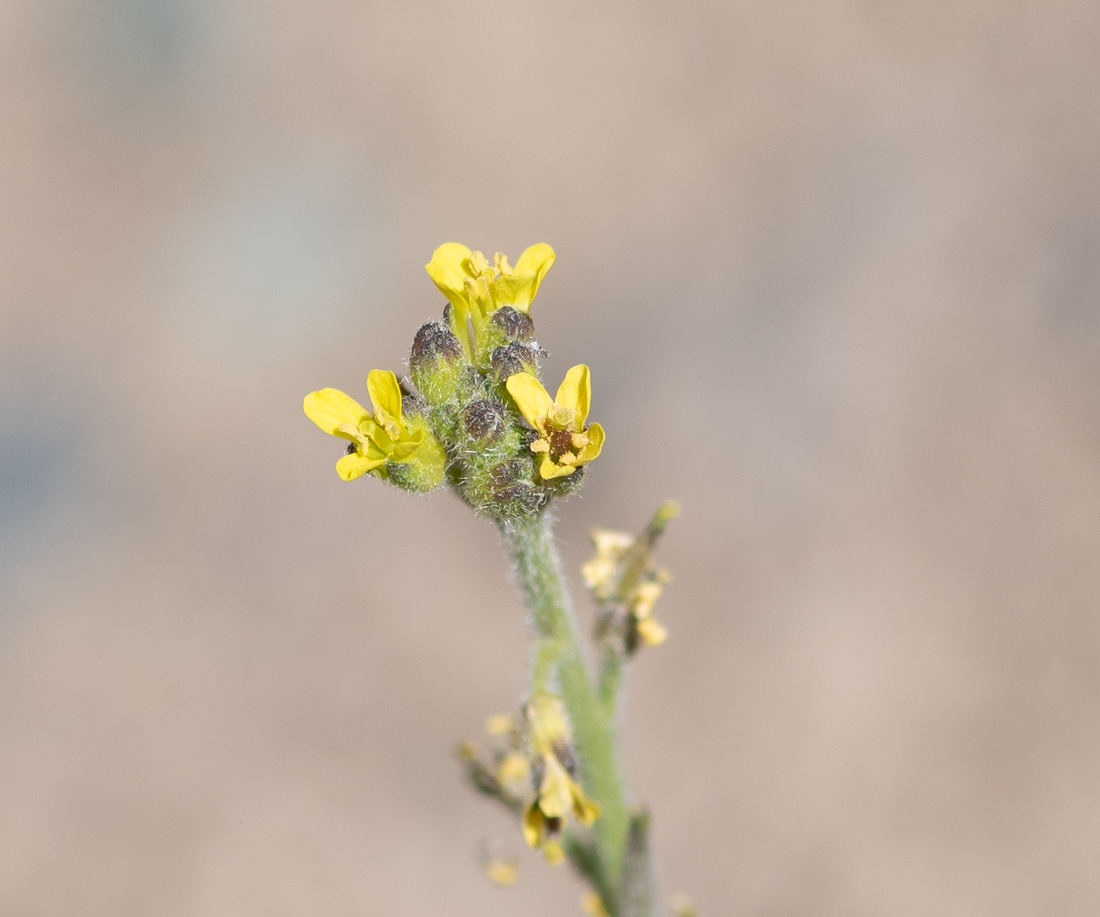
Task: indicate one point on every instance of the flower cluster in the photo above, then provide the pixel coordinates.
(479, 419)
(558, 794)
(626, 583)
(530, 765)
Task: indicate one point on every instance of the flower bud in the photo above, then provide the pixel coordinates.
(513, 324)
(499, 329)
(437, 364)
(512, 359)
(484, 420)
(513, 490)
(497, 475)
(563, 487)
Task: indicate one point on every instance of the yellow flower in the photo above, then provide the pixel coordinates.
(513, 770)
(500, 724)
(559, 795)
(477, 288)
(622, 575)
(651, 631)
(599, 572)
(502, 872)
(564, 441)
(377, 438)
(592, 905)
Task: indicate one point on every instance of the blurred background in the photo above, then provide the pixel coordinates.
(835, 269)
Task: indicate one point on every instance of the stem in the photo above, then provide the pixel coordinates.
(534, 556)
(611, 673)
(639, 895)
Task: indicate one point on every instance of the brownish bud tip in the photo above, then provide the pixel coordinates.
(511, 359)
(484, 419)
(513, 324)
(434, 342)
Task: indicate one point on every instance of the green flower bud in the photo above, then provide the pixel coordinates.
(512, 359)
(500, 328)
(484, 420)
(513, 489)
(494, 469)
(437, 364)
(513, 324)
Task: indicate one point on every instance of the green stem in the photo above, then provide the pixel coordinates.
(611, 673)
(534, 556)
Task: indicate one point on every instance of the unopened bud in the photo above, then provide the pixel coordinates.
(512, 359)
(513, 324)
(433, 342)
(512, 488)
(436, 363)
(484, 420)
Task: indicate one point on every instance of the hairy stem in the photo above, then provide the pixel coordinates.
(534, 556)
(611, 673)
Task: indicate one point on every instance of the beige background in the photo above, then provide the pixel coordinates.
(835, 269)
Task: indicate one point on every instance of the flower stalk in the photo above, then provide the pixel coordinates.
(478, 419)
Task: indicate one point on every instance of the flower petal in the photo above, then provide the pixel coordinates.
(549, 469)
(651, 632)
(518, 287)
(595, 444)
(534, 825)
(531, 398)
(576, 393)
(556, 792)
(330, 409)
(353, 466)
(447, 270)
(553, 852)
(584, 809)
(535, 260)
(385, 392)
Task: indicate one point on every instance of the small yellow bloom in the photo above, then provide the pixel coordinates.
(513, 770)
(378, 438)
(593, 906)
(553, 852)
(564, 441)
(623, 576)
(502, 872)
(599, 571)
(498, 856)
(500, 724)
(559, 794)
(651, 631)
(476, 288)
